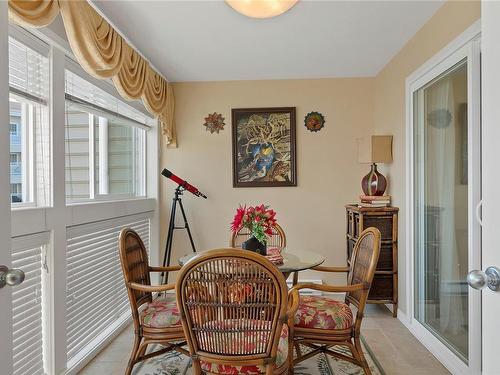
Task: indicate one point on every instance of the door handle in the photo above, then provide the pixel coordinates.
(478, 279)
(478, 212)
(10, 277)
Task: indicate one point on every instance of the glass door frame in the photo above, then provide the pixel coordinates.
(465, 47)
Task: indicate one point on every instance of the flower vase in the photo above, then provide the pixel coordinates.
(253, 244)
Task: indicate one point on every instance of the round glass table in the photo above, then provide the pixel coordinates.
(293, 260)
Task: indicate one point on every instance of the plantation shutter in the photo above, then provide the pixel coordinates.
(27, 305)
(97, 301)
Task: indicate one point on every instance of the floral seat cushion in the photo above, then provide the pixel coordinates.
(248, 343)
(161, 313)
(323, 313)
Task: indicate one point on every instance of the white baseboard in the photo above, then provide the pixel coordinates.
(310, 292)
(389, 307)
(403, 318)
(336, 296)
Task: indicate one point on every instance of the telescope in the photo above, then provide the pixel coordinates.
(183, 186)
(186, 185)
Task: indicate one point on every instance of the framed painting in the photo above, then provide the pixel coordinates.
(264, 147)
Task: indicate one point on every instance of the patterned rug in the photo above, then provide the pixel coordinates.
(174, 363)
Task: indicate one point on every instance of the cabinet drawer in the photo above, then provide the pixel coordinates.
(382, 223)
(382, 288)
(385, 258)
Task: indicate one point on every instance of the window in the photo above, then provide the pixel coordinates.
(13, 129)
(77, 153)
(103, 158)
(29, 123)
(16, 192)
(105, 143)
(119, 151)
(15, 157)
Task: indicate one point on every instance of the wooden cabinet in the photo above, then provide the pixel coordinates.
(384, 287)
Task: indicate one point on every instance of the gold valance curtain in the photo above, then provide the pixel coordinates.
(104, 54)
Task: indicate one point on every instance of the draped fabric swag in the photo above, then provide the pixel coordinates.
(104, 54)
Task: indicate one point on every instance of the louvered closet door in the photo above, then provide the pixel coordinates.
(28, 301)
(97, 302)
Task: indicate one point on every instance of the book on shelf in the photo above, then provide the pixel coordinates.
(374, 201)
(362, 204)
(375, 198)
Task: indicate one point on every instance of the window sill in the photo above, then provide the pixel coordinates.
(106, 199)
(40, 219)
(23, 206)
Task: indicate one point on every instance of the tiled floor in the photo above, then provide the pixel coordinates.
(395, 348)
(398, 352)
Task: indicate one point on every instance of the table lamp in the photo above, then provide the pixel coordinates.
(372, 150)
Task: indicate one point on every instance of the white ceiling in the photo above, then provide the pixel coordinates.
(207, 40)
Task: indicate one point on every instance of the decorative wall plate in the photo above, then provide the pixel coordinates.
(214, 122)
(314, 121)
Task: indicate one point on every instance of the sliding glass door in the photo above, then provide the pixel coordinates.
(441, 209)
(445, 189)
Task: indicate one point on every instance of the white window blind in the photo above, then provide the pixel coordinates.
(96, 294)
(28, 101)
(29, 67)
(77, 145)
(105, 141)
(86, 96)
(28, 305)
(119, 159)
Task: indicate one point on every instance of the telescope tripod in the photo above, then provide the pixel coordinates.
(170, 236)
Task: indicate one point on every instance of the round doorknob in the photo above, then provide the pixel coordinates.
(14, 277)
(478, 279)
(10, 277)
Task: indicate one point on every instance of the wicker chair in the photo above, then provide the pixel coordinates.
(277, 239)
(321, 322)
(155, 321)
(234, 305)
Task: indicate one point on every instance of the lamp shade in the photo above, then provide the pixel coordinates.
(261, 8)
(375, 149)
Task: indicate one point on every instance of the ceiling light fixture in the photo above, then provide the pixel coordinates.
(261, 8)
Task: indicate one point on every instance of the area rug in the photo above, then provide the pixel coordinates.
(174, 363)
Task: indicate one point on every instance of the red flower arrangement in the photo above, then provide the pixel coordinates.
(259, 220)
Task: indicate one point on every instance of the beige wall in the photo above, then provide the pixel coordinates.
(389, 103)
(329, 176)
